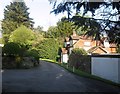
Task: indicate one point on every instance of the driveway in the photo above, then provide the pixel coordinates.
(49, 77)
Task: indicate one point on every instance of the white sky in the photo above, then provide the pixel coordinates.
(39, 10)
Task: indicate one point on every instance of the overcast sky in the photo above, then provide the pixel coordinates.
(39, 10)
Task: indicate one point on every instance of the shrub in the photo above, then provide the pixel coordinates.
(11, 49)
(80, 60)
(33, 56)
(48, 49)
(8, 62)
(22, 35)
(32, 53)
(17, 62)
(29, 62)
(79, 51)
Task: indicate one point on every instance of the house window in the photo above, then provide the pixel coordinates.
(86, 43)
(67, 43)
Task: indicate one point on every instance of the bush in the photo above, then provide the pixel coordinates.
(79, 51)
(22, 35)
(32, 53)
(80, 60)
(48, 49)
(11, 49)
(29, 62)
(8, 62)
(19, 57)
(17, 62)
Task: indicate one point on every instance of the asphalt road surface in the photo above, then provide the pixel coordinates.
(49, 77)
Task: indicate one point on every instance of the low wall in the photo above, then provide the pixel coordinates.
(106, 66)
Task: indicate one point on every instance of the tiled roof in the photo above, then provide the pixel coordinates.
(75, 37)
(112, 45)
(86, 37)
(95, 48)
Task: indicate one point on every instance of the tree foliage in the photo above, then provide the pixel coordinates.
(103, 24)
(87, 5)
(52, 32)
(48, 49)
(39, 36)
(90, 26)
(32, 53)
(22, 35)
(65, 28)
(38, 29)
(79, 51)
(15, 14)
(12, 49)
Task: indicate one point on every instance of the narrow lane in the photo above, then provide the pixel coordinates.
(49, 77)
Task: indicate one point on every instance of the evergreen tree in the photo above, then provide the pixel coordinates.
(65, 27)
(16, 14)
(48, 48)
(52, 32)
(104, 23)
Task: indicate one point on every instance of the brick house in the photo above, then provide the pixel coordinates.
(87, 43)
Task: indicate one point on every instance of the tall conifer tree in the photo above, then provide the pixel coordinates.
(16, 14)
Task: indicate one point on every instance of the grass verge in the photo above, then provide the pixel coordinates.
(84, 74)
(52, 61)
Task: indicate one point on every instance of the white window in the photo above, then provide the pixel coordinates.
(68, 42)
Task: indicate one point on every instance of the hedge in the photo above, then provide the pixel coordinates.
(80, 60)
